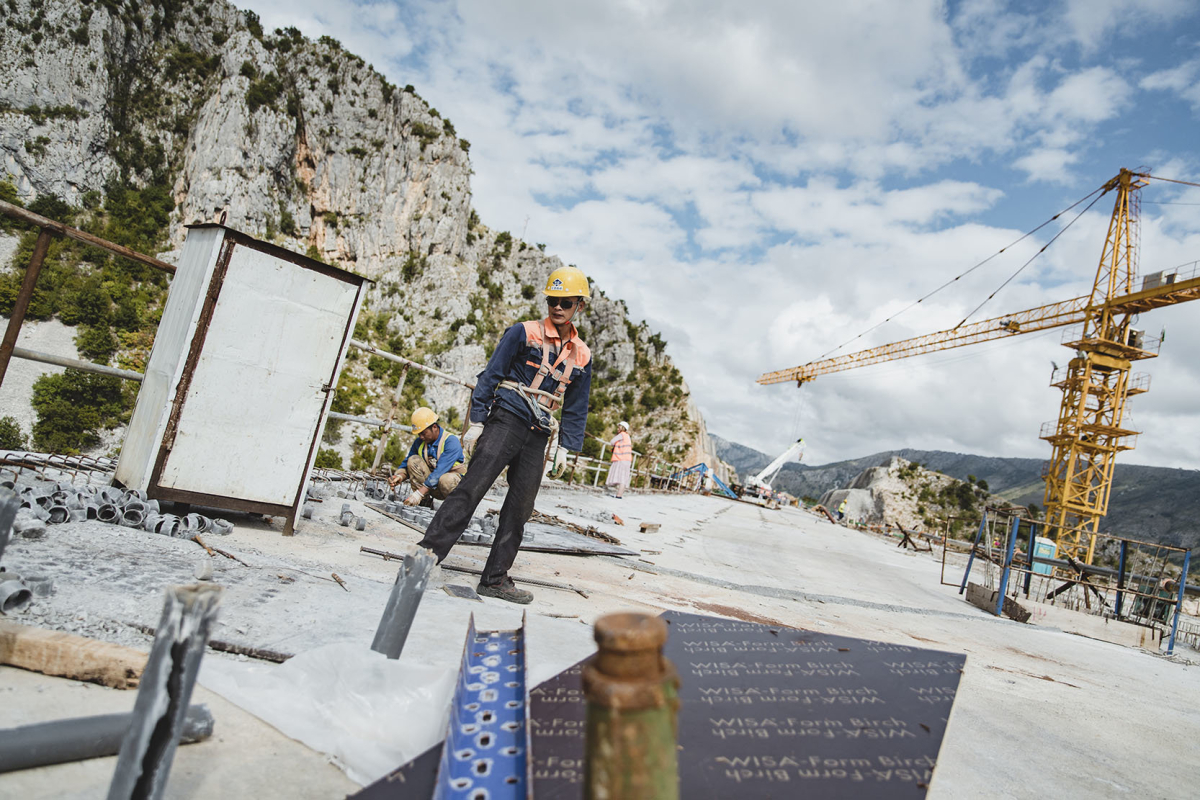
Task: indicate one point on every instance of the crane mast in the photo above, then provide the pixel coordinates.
(1090, 429)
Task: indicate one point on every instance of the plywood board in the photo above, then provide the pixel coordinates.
(765, 712)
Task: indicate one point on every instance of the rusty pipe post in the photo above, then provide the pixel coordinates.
(632, 695)
(386, 433)
(21, 305)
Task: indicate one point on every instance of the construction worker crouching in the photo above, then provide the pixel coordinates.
(434, 464)
(536, 369)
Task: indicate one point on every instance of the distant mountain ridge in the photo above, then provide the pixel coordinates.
(1154, 504)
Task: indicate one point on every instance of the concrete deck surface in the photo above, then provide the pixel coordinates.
(1039, 712)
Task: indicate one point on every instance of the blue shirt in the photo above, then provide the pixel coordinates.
(452, 454)
(517, 358)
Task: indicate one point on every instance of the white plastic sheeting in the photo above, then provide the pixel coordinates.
(370, 714)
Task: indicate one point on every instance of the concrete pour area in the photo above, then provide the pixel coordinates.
(1038, 712)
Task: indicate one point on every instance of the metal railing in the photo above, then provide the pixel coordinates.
(1140, 589)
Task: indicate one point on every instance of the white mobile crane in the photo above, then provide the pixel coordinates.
(761, 483)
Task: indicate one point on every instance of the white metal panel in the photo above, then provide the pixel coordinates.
(255, 399)
(185, 299)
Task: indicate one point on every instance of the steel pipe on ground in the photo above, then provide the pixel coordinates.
(66, 740)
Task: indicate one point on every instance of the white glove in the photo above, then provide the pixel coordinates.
(471, 437)
(413, 499)
(559, 457)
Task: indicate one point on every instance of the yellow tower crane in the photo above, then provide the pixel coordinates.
(1096, 384)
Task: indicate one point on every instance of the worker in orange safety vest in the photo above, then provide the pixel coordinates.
(622, 460)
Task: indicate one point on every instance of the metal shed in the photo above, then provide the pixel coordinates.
(240, 376)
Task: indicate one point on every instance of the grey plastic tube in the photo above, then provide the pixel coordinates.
(14, 596)
(67, 740)
(108, 513)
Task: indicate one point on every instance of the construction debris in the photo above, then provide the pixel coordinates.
(44, 502)
(588, 530)
(539, 536)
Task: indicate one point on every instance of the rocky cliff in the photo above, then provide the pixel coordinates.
(138, 119)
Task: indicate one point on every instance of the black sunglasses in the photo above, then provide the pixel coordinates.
(565, 303)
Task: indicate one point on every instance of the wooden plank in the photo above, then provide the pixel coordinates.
(985, 599)
(65, 655)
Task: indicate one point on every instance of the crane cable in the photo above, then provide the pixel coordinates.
(1009, 279)
(913, 304)
(1047, 244)
(1172, 180)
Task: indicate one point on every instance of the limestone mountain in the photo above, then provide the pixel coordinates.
(135, 119)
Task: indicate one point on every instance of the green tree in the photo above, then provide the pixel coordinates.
(96, 342)
(327, 459)
(72, 408)
(11, 437)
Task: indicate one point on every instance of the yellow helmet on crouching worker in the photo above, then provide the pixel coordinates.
(567, 282)
(422, 418)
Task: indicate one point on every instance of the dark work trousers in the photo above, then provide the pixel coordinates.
(506, 441)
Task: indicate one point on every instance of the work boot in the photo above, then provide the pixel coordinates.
(505, 590)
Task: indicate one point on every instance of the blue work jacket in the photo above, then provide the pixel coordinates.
(517, 358)
(449, 452)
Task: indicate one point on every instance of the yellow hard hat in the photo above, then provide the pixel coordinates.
(422, 418)
(567, 282)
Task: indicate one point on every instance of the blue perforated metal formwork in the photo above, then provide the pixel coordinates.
(486, 753)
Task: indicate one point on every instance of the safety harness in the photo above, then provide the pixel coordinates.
(542, 404)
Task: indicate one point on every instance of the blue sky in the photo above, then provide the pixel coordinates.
(762, 181)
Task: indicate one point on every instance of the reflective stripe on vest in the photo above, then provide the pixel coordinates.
(623, 448)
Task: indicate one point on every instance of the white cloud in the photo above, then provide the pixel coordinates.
(1048, 164)
(1184, 80)
(1090, 21)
